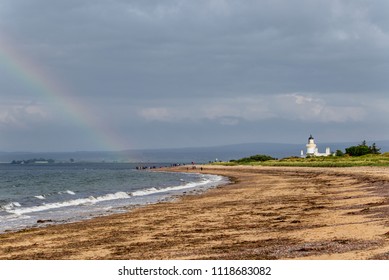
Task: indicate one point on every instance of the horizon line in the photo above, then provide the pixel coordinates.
(185, 147)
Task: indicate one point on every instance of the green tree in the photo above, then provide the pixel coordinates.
(374, 150)
(253, 158)
(362, 149)
(357, 151)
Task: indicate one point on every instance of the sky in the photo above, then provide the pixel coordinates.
(133, 74)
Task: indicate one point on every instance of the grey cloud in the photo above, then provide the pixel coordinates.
(305, 108)
(209, 63)
(21, 115)
(212, 47)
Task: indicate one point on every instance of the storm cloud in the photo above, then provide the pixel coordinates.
(197, 73)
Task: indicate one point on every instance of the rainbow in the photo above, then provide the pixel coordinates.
(34, 77)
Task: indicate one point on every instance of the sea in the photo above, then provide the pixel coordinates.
(34, 195)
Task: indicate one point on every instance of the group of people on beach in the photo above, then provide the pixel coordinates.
(147, 167)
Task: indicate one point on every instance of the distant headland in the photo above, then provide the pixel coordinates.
(33, 161)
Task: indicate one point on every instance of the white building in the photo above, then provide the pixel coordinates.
(312, 149)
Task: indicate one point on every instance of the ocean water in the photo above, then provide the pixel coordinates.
(36, 195)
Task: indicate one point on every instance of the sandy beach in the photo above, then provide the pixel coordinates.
(265, 213)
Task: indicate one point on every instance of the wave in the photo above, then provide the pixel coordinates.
(10, 206)
(15, 208)
(175, 188)
(76, 202)
(70, 192)
(43, 196)
(67, 192)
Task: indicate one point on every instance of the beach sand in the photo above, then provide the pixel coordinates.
(265, 213)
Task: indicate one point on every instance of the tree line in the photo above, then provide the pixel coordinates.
(360, 150)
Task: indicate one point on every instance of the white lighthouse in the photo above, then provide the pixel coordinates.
(312, 149)
(311, 146)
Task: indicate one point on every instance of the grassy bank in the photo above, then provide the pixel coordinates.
(331, 161)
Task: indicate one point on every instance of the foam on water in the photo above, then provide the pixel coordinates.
(67, 193)
(204, 182)
(11, 208)
(75, 202)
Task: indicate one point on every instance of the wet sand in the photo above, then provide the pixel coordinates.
(265, 213)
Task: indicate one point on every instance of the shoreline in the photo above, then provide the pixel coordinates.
(264, 213)
(84, 207)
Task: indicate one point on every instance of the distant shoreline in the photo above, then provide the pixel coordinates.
(265, 213)
(189, 154)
